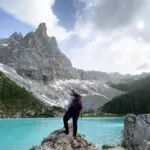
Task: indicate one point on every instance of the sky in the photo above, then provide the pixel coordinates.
(102, 35)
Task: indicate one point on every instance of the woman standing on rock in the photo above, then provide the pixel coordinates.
(74, 109)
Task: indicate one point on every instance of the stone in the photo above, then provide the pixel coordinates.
(137, 132)
(58, 140)
(16, 36)
(30, 112)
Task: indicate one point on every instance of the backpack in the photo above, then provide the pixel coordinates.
(77, 103)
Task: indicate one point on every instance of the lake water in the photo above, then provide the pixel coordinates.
(22, 134)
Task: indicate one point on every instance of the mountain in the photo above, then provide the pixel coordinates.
(134, 85)
(35, 62)
(136, 101)
(95, 93)
(36, 56)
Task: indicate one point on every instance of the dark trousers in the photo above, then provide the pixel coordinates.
(74, 114)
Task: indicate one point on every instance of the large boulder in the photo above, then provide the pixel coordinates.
(137, 132)
(58, 140)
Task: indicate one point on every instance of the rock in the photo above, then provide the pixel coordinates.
(18, 115)
(16, 36)
(58, 140)
(42, 29)
(137, 132)
(31, 112)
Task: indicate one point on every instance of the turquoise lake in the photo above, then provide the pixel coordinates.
(22, 134)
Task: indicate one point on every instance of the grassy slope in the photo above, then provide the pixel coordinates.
(14, 98)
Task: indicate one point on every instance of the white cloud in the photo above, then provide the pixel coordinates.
(34, 12)
(140, 24)
(108, 36)
(120, 47)
(122, 54)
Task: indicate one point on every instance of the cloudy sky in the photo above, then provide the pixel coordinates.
(103, 35)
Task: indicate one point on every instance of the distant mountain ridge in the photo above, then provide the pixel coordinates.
(134, 85)
(36, 63)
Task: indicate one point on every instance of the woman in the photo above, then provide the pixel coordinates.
(75, 106)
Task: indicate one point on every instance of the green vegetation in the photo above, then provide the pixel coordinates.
(101, 115)
(107, 146)
(122, 87)
(97, 113)
(122, 144)
(16, 101)
(136, 101)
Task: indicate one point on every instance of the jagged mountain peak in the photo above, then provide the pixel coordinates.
(53, 39)
(37, 56)
(16, 36)
(42, 29)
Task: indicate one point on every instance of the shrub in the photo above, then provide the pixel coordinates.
(107, 146)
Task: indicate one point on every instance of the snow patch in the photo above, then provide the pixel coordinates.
(106, 86)
(4, 45)
(46, 99)
(16, 50)
(2, 68)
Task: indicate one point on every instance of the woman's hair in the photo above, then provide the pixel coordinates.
(72, 91)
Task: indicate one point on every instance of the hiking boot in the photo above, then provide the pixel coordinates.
(66, 132)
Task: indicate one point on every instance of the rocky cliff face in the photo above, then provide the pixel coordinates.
(56, 92)
(36, 56)
(58, 140)
(137, 132)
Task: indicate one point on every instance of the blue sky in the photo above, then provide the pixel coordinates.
(9, 24)
(65, 10)
(103, 35)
